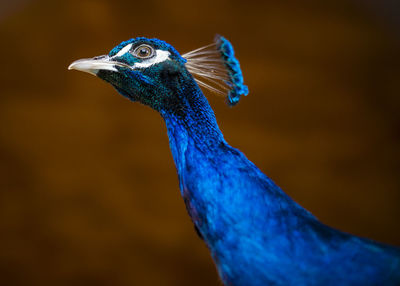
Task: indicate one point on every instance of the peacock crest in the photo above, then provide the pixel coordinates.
(215, 67)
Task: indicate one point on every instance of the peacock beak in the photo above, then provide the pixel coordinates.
(96, 64)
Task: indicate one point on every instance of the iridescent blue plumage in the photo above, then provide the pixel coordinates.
(256, 234)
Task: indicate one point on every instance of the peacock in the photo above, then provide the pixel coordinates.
(256, 233)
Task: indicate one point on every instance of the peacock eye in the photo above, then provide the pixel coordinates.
(143, 52)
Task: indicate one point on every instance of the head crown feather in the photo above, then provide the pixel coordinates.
(215, 67)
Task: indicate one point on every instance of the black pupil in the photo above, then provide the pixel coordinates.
(144, 52)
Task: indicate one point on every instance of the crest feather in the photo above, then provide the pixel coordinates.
(215, 67)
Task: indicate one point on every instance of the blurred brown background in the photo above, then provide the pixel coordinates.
(88, 189)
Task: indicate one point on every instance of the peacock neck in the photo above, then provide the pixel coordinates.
(215, 179)
(191, 123)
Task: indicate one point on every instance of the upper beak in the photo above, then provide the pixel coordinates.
(94, 65)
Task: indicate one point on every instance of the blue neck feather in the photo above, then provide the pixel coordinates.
(195, 140)
(246, 220)
(225, 194)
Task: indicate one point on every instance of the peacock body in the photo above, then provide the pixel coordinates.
(257, 235)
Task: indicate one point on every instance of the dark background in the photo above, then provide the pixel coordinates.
(88, 190)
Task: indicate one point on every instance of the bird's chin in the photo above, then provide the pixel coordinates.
(127, 94)
(108, 76)
(111, 77)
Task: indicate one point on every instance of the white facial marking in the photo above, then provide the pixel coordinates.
(160, 56)
(124, 50)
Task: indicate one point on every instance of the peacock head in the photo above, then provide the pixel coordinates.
(141, 69)
(154, 73)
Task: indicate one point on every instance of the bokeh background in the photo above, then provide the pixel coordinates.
(88, 190)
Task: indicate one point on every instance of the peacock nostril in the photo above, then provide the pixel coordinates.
(100, 57)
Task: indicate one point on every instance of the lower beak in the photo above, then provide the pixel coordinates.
(94, 65)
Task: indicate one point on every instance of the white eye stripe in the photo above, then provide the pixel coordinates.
(124, 50)
(160, 56)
